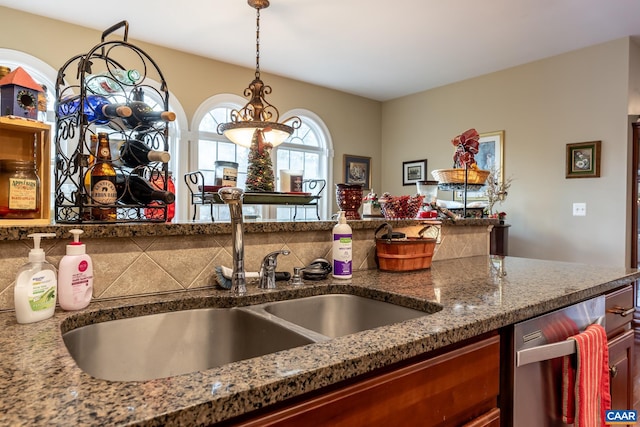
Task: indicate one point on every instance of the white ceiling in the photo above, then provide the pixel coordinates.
(380, 50)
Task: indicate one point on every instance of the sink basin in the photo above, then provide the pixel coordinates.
(336, 315)
(167, 344)
(180, 342)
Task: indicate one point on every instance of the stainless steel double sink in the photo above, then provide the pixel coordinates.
(174, 343)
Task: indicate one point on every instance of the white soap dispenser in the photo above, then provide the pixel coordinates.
(75, 275)
(342, 237)
(35, 289)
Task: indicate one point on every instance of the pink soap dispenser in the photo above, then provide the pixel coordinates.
(75, 275)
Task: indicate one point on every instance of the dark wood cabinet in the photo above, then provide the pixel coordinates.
(620, 310)
(635, 197)
(621, 370)
(459, 387)
(500, 240)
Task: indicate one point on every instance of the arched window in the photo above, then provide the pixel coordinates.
(43, 73)
(308, 149)
(211, 147)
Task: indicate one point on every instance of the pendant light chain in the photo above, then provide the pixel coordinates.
(258, 116)
(258, 43)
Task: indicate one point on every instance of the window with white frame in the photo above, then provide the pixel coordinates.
(305, 150)
(308, 149)
(212, 147)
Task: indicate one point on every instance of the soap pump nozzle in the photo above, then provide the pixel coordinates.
(76, 232)
(76, 247)
(37, 254)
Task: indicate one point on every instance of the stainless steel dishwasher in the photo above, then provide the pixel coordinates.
(539, 345)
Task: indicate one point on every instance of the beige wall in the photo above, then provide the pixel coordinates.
(634, 78)
(354, 122)
(542, 106)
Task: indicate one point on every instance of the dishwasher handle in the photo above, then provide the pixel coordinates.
(549, 351)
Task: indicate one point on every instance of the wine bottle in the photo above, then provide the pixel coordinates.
(103, 183)
(97, 108)
(134, 189)
(134, 153)
(112, 81)
(142, 115)
(157, 180)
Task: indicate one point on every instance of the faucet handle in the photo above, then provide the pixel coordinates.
(271, 258)
(268, 269)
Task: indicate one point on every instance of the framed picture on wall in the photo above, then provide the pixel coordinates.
(583, 159)
(490, 157)
(357, 170)
(414, 171)
(491, 152)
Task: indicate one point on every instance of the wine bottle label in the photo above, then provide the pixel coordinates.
(104, 191)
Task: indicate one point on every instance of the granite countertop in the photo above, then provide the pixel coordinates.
(139, 229)
(41, 385)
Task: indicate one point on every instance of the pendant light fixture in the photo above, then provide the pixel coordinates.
(258, 115)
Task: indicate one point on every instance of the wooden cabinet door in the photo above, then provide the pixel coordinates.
(621, 370)
(447, 390)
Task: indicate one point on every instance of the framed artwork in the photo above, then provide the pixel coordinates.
(583, 159)
(414, 171)
(357, 170)
(490, 157)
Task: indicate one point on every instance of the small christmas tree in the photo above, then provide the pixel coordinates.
(260, 171)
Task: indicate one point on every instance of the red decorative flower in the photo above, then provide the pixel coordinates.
(467, 145)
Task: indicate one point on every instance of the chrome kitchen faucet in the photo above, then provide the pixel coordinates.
(232, 196)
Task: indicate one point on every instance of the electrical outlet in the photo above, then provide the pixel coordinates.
(579, 209)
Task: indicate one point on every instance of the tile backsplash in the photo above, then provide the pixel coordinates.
(128, 266)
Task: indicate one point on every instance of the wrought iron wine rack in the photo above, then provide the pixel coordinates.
(73, 130)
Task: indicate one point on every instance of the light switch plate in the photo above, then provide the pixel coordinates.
(579, 209)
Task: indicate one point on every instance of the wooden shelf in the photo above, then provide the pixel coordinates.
(25, 139)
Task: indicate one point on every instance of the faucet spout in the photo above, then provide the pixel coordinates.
(232, 196)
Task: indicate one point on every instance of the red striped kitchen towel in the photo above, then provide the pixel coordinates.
(585, 391)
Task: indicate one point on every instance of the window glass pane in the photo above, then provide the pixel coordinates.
(283, 158)
(208, 124)
(226, 151)
(206, 150)
(242, 157)
(304, 136)
(312, 166)
(296, 160)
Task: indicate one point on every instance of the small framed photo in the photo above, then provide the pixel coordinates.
(357, 170)
(583, 159)
(414, 171)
